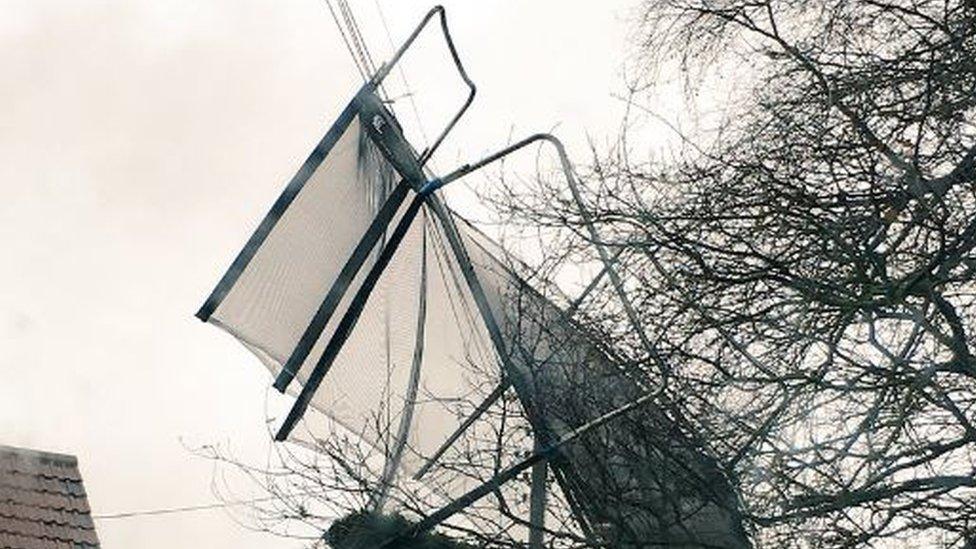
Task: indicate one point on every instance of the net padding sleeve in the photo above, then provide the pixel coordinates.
(275, 297)
(278, 284)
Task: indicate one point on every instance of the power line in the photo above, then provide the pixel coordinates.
(355, 59)
(355, 43)
(185, 509)
(358, 49)
(357, 35)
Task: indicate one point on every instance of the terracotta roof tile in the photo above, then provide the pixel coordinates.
(43, 504)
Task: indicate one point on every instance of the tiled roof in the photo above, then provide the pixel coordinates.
(42, 502)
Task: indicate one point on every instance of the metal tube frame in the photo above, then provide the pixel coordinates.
(425, 195)
(385, 69)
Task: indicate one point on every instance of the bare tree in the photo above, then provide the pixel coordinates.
(804, 259)
(802, 270)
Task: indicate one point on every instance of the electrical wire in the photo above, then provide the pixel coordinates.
(357, 36)
(356, 44)
(354, 36)
(185, 509)
(355, 59)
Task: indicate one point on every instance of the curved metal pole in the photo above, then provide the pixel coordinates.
(392, 466)
(385, 69)
(605, 256)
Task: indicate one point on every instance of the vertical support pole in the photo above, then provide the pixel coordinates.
(537, 501)
(587, 218)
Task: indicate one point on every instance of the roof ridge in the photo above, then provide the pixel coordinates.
(41, 455)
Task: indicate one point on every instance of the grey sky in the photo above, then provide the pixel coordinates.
(141, 142)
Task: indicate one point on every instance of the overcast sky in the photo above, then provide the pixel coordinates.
(141, 141)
